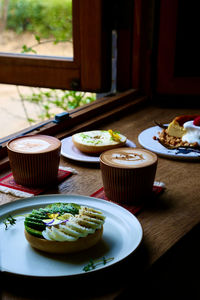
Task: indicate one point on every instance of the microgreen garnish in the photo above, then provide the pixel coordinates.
(93, 263)
(85, 136)
(9, 220)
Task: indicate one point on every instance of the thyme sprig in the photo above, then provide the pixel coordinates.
(9, 220)
(93, 263)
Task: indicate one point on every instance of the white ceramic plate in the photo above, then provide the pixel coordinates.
(122, 235)
(68, 150)
(146, 140)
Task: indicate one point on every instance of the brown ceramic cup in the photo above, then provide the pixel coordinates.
(128, 174)
(34, 159)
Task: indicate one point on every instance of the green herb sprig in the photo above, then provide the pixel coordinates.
(94, 263)
(9, 221)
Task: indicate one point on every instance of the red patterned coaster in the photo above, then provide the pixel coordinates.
(8, 185)
(158, 188)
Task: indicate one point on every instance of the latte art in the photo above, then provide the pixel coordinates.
(128, 157)
(34, 159)
(34, 144)
(30, 145)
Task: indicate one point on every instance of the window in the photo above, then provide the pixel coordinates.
(92, 53)
(54, 71)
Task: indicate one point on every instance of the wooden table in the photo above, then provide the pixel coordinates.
(165, 222)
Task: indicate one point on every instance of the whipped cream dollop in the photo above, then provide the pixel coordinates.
(192, 134)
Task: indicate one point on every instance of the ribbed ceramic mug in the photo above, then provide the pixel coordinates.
(128, 174)
(34, 159)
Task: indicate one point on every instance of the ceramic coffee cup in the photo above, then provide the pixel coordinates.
(34, 159)
(128, 174)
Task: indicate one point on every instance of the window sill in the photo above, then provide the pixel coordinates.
(84, 118)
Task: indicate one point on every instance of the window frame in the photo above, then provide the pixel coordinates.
(92, 55)
(167, 83)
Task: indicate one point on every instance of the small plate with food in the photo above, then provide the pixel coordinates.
(180, 139)
(87, 146)
(65, 235)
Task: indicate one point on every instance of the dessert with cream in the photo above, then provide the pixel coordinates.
(97, 141)
(64, 227)
(183, 131)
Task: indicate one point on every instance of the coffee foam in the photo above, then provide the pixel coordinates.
(34, 144)
(128, 158)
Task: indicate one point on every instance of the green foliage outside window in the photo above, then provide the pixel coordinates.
(47, 100)
(46, 18)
